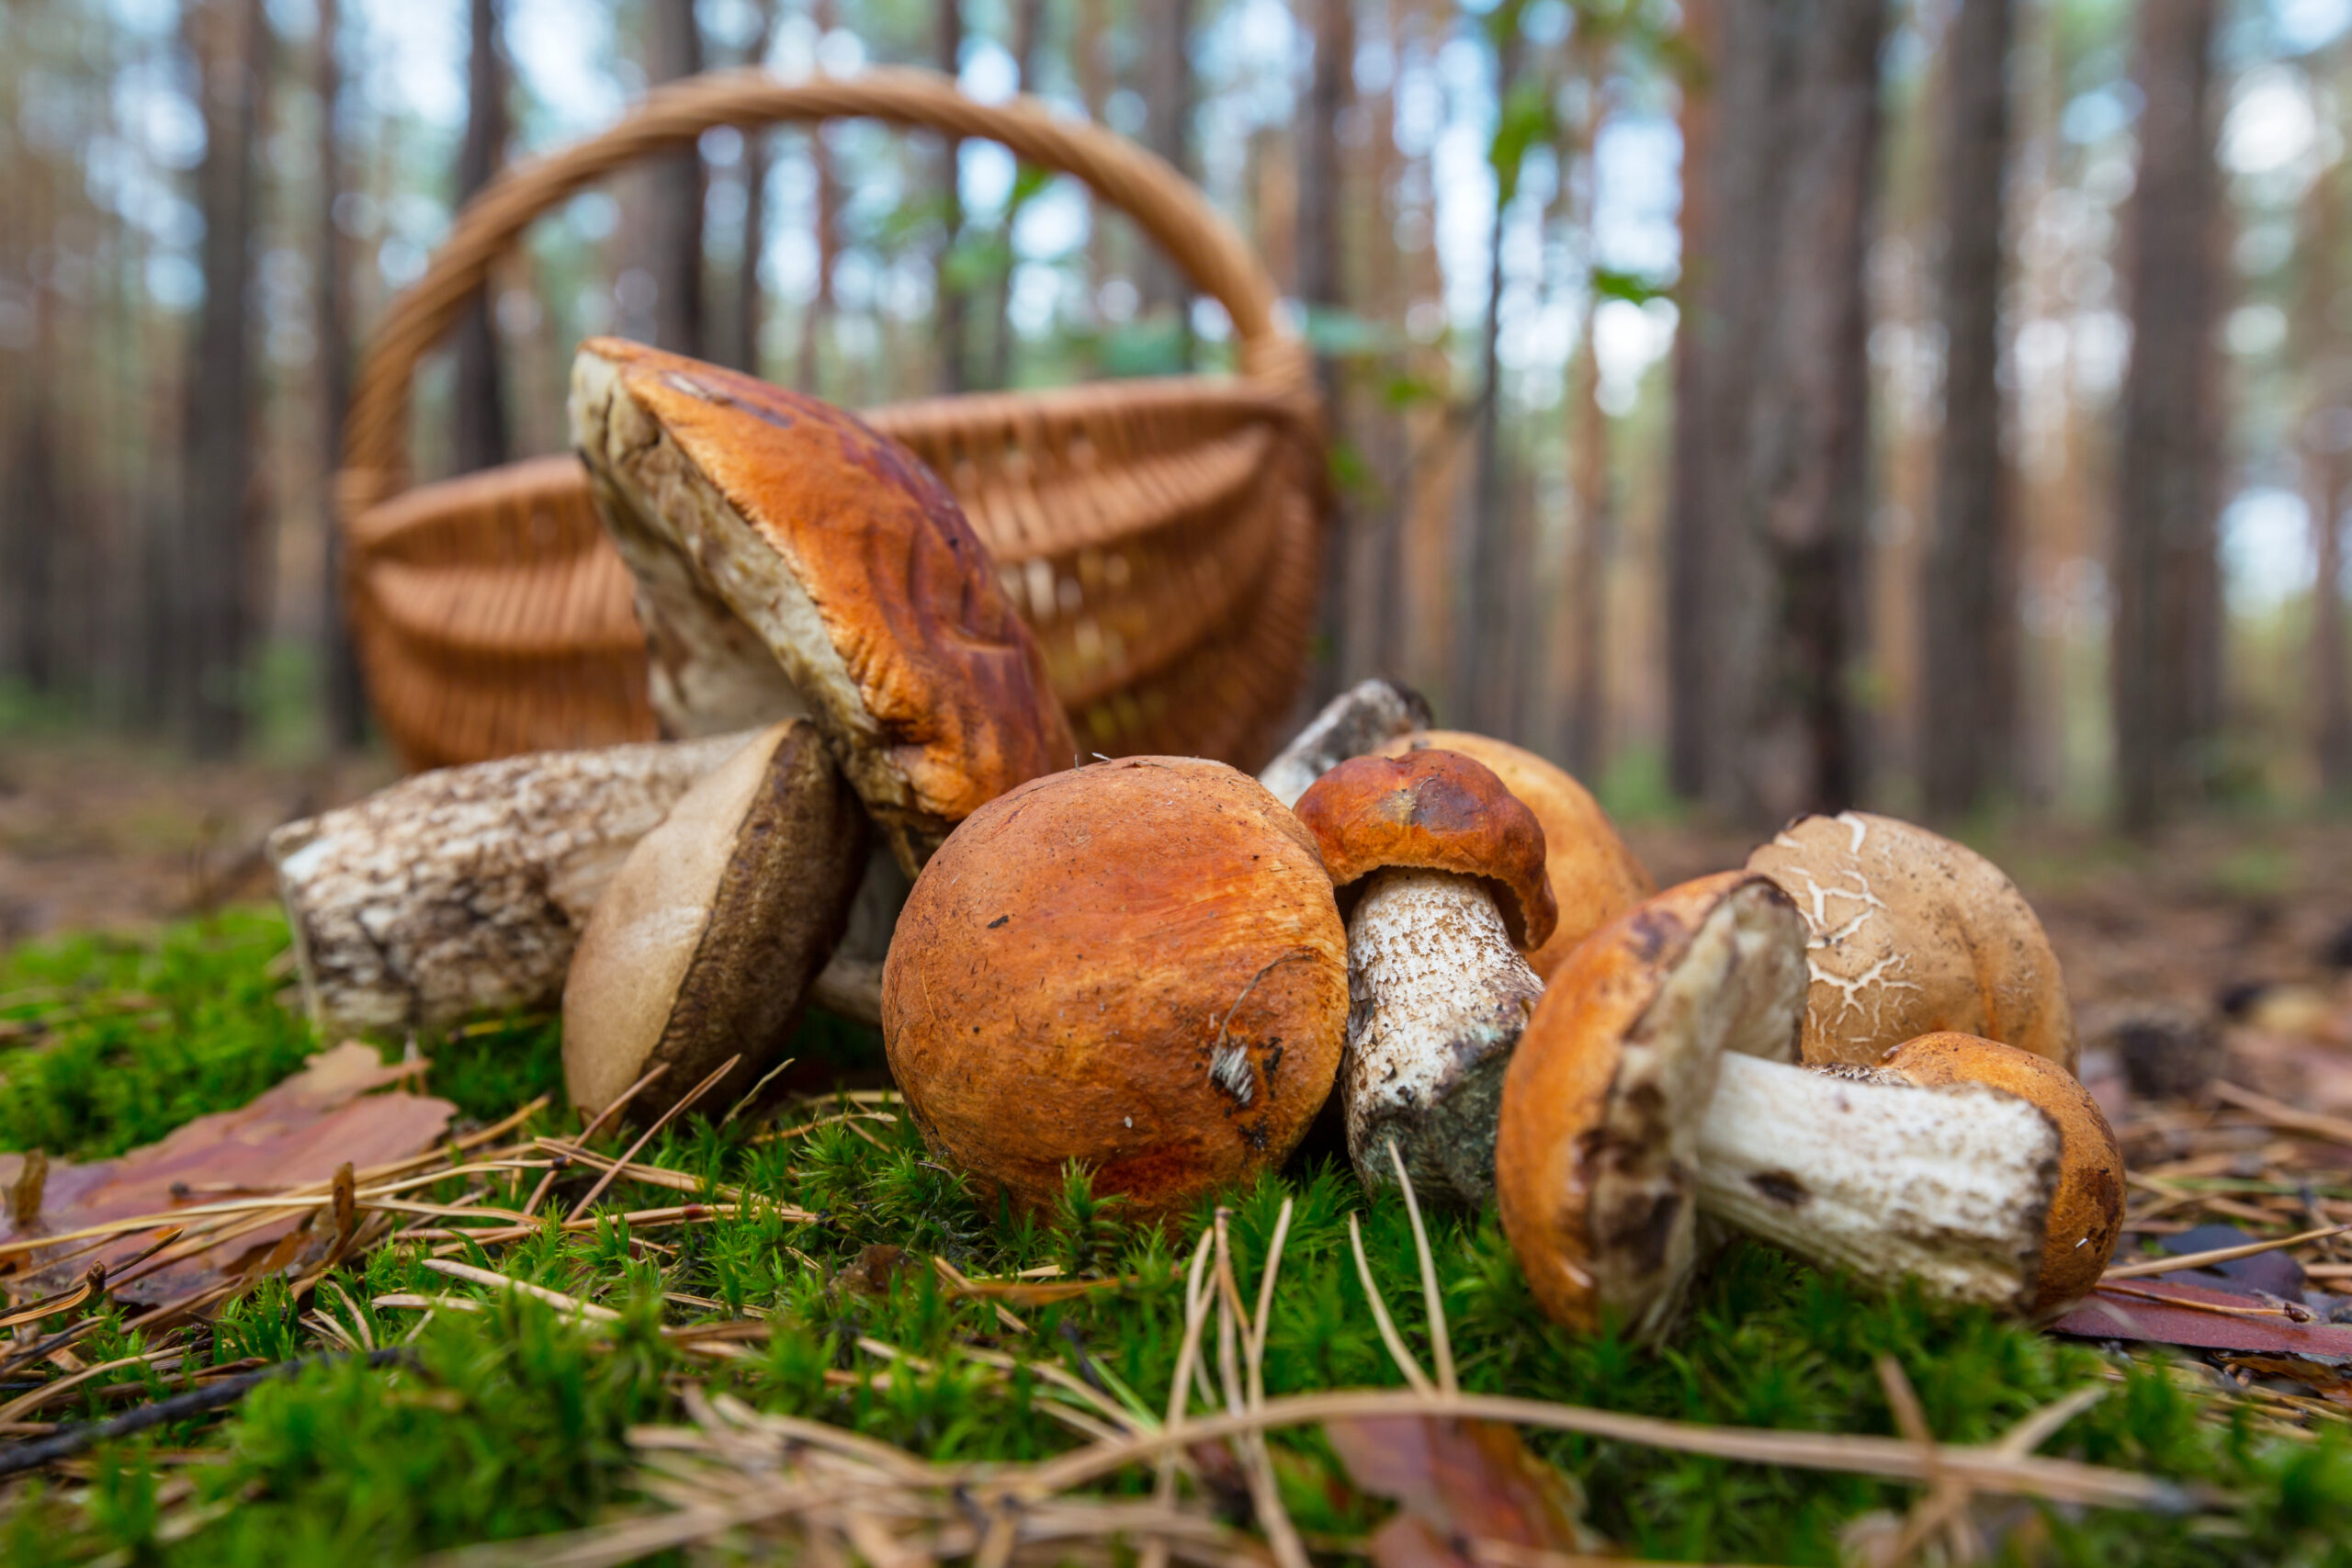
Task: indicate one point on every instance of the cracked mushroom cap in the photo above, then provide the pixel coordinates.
(705, 942)
(1135, 966)
(1596, 1158)
(791, 561)
(1594, 877)
(1434, 811)
(1910, 933)
(2086, 1211)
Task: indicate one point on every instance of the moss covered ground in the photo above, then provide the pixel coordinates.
(513, 1421)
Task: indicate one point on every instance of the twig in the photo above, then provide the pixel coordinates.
(2335, 1129)
(2140, 1271)
(1381, 1320)
(71, 1441)
(647, 1136)
(1440, 1341)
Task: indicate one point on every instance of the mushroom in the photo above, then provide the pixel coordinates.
(709, 938)
(1656, 1081)
(1137, 966)
(1594, 875)
(790, 560)
(1358, 720)
(1909, 933)
(1441, 871)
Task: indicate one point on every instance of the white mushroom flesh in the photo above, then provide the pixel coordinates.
(1356, 722)
(1438, 998)
(1886, 1179)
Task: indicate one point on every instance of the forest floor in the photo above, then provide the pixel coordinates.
(736, 1330)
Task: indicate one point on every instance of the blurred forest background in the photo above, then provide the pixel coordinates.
(1939, 404)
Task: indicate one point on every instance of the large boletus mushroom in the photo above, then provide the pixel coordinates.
(1908, 933)
(1440, 870)
(1594, 877)
(1137, 966)
(790, 560)
(705, 943)
(1656, 1081)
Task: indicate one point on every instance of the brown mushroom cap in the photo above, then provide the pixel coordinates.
(1594, 877)
(2086, 1211)
(1913, 934)
(704, 943)
(1136, 966)
(1596, 1155)
(1434, 811)
(789, 559)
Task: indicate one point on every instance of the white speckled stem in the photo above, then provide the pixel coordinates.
(1437, 999)
(1888, 1180)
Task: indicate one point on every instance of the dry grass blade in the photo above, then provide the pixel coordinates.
(1440, 1341)
(497, 1282)
(1945, 1506)
(1257, 1350)
(647, 1137)
(1381, 1320)
(2140, 1271)
(1196, 1303)
(2279, 1114)
(1257, 1462)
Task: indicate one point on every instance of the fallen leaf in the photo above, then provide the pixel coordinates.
(1456, 1480)
(298, 1131)
(2160, 1312)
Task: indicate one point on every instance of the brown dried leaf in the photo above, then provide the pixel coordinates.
(2126, 1312)
(1456, 1479)
(298, 1131)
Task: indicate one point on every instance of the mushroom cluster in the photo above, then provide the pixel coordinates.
(1159, 970)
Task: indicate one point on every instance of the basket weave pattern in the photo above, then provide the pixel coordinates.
(1160, 535)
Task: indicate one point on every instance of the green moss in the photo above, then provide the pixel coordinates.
(512, 1422)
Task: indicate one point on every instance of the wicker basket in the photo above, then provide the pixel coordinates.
(1162, 536)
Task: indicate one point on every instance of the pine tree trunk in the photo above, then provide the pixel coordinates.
(1596, 529)
(2167, 647)
(674, 191)
(1028, 35)
(829, 207)
(1339, 661)
(744, 352)
(2327, 412)
(480, 438)
(1168, 118)
(1691, 536)
(213, 566)
(953, 327)
(1967, 595)
(1485, 639)
(1783, 399)
(345, 694)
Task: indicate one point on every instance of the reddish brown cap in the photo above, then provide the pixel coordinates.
(2086, 1211)
(766, 529)
(1434, 811)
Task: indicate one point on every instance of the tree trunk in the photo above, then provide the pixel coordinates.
(744, 353)
(480, 438)
(214, 565)
(1967, 595)
(1028, 33)
(1784, 390)
(1484, 694)
(1340, 661)
(953, 327)
(1596, 526)
(2167, 648)
(1168, 119)
(1691, 536)
(2327, 412)
(674, 191)
(346, 696)
(828, 211)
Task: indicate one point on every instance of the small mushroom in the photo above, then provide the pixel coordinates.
(790, 560)
(1361, 720)
(709, 938)
(1137, 966)
(1908, 934)
(1656, 1081)
(1595, 877)
(1441, 871)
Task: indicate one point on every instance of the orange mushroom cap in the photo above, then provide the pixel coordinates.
(1434, 811)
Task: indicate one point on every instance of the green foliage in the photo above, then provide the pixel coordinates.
(512, 1421)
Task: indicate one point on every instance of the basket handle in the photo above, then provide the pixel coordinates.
(1164, 203)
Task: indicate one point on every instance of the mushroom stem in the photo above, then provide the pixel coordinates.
(1886, 1179)
(1437, 999)
(1360, 719)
